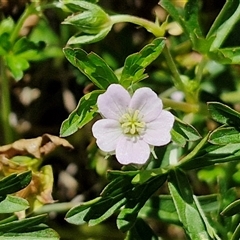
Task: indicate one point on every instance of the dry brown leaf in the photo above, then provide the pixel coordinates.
(37, 147)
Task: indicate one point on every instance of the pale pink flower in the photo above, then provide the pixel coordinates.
(131, 126)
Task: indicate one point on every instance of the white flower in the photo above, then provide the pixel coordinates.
(131, 126)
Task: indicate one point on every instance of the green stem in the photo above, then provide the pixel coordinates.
(29, 10)
(55, 207)
(182, 106)
(5, 104)
(172, 66)
(151, 27)
(200, 69)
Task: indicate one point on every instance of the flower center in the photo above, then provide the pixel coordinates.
(131, 123)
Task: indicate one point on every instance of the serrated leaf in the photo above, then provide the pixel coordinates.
(94, 67)
(13, 204)
(224, 114)
(135, 64)
(226, 135)
(188, 213)
(82, 115)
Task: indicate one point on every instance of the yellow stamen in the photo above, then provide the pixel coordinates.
(132, 124)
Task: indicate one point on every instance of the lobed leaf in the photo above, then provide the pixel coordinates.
(135, 64)
(94, 67)
(82, 115)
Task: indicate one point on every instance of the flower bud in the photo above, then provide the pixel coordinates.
(89, 17)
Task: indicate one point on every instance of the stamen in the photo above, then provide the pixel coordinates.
(132, 124)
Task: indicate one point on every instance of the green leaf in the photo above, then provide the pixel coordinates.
(99, 209)
(144, 175)
(92, 66)
(188, 19)
(231, 209)
(82, 115)
(224, 114)
(23, 224)
(87, 39)
(17, 65)
(225, 135)
(135, 200)
(41, 232)
(6, 25)
(162, 208)
(183, 132)
(221, 33)
(88, 17)
(225, 13)
(141, 231)
(24, 45)
(236, 234)
(214, 154)
(226, 55)
(188, 213)
(5, 44)
(14, 182)
(135, 64)
(13, 204)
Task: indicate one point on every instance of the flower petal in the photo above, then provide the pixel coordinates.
(107, 132)
(129, 151)
(114, 102)
(158, 131)
(147, 102)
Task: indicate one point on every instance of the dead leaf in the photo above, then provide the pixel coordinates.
(37, 147)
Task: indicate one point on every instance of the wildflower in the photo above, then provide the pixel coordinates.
(131, 126)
